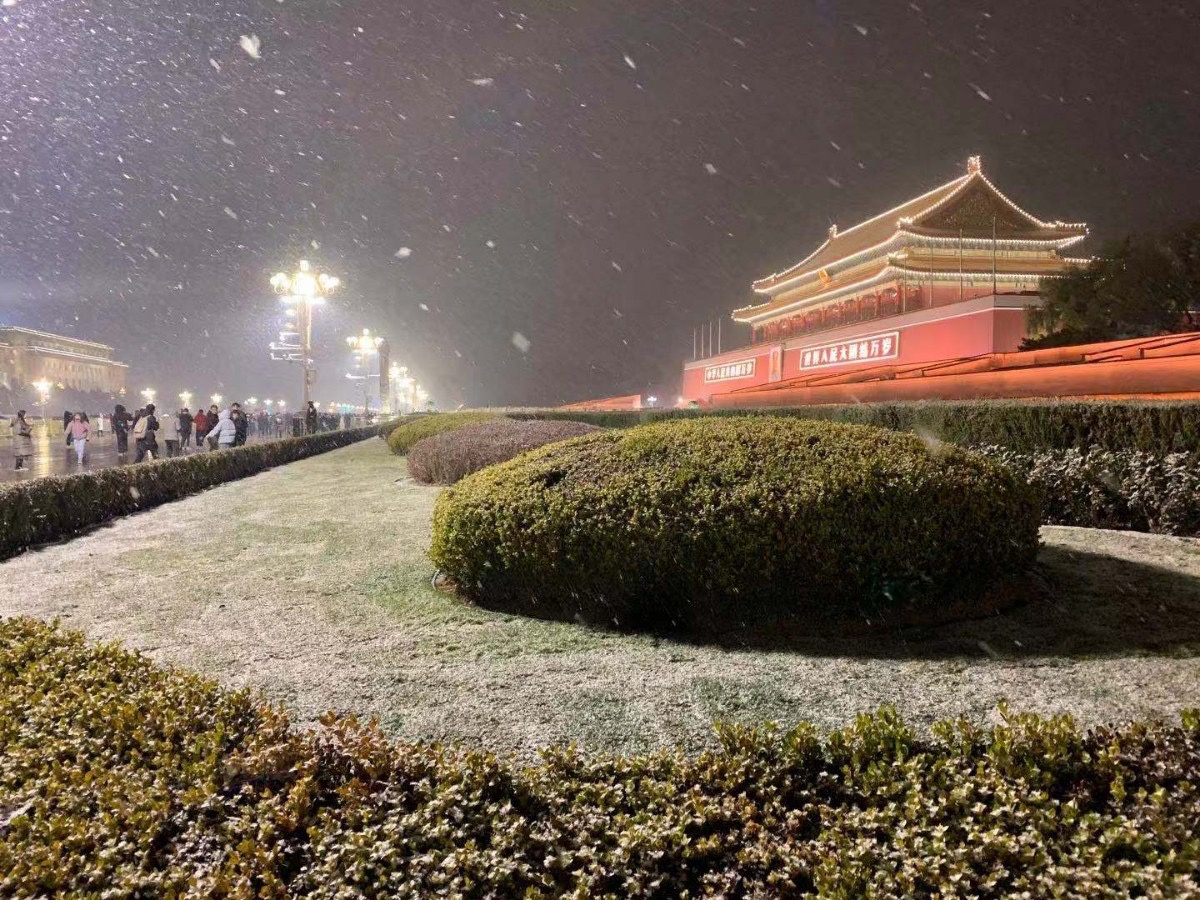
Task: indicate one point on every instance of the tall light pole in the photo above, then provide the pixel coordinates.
(185, 399)
(304, 289)
(365, 345)
(43, 389)
(148, 395)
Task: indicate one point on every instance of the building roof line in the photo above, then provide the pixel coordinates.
(61, 337)
(865, 222)
(751, 313)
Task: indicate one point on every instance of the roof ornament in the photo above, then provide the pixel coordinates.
(832, 232)
(974, 165)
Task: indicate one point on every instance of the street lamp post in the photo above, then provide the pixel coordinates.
(216, 399)
(43, 389)
(366, 346)
(185, 399)
(305, 289)
(148, 395)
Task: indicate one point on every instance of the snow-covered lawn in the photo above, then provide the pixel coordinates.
(311, 582)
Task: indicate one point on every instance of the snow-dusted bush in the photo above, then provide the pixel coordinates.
(711, 522)
(120, 778)
(1112, 488)
(452, 455)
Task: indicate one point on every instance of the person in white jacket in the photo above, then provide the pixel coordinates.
(222, 434)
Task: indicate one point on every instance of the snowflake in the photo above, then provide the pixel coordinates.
(252, 45)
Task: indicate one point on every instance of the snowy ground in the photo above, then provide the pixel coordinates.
(311, 582)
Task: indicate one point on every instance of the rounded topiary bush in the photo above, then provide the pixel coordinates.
(716, 522)
(405, 435)
(452, 455)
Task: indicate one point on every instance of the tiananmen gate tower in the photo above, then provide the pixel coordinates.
(940, 285)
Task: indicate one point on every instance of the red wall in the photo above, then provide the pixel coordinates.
(946, 334)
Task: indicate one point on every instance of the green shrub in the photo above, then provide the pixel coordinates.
(716, 522)
(416, 429)
(1112, 489)
(49, 509)
(119, 778)
(452, 455)
(1024, 425)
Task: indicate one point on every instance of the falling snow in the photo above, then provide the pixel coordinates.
(251, 44)
(159, 160)
(521, 342)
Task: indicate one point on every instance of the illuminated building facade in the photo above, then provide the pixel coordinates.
(948, 275)
(27, 356)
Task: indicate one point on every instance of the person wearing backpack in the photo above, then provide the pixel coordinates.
(143, 434)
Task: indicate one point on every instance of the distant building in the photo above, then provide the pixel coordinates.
(948, 275)
(28, 356)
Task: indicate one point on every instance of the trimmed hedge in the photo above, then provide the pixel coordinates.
(120, 778)
(1112, 489)
(52, 508)
(411, 430)
(715, 522)
(1154, 427)
(452, 455)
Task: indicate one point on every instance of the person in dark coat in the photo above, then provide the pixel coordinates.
(310, 418)
(121, 420)
(143, 430)
(241, 424)
(185, 427)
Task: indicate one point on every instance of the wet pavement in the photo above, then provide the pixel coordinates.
(54, 457)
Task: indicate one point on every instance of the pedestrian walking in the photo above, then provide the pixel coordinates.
(185, 427)
(22, 439)
(100, 425)
(310, 418)
(224, 433)
(241, 424)
(143, 433)
(168, 429)
(120, 422)
(79, 431)
(201, 424)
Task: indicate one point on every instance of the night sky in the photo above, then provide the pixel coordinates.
(578, 185)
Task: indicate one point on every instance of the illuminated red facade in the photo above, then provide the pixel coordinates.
(948, 275)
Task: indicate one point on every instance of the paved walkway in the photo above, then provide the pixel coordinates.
(311, 582)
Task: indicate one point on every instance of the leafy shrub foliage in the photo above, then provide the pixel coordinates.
(452, 455)
(417, 428)
(119, 778)
(1026, 426)
(714, 522)
(49, 509)
(1113, 489)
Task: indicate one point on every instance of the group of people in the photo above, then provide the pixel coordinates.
(218, 428)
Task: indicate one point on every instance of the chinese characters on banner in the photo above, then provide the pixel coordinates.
(727, 371)
(864, 349)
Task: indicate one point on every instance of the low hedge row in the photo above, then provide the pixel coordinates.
(716, 522)
(49, 509)
(417, 428)
(1112, 489)
(120, 778)
(1026, 426)
(452, 455)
